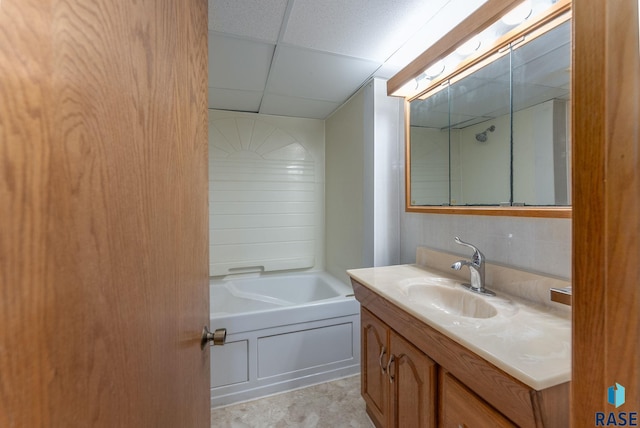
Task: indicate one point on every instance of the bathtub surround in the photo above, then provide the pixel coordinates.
(266, 193)
(284, 330)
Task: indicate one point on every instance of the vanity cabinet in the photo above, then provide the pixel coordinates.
(415, 376)
(398, 380)
(460, 407)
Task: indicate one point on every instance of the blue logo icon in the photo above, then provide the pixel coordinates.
(615, 395)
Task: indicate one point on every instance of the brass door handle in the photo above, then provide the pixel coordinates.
(382, 352)
(391, 359)
(218, 337)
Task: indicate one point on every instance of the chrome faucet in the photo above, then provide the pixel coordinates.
(476, 267)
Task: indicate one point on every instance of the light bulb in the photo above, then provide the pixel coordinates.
(469, 47)
(518, 14)
(435, 70)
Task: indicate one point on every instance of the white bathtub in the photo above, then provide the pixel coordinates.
(284, 331)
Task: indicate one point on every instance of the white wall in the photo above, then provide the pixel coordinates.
(364, 181)
(388, 173)
(344, 188)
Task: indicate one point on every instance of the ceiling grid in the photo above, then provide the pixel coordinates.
(305, 58)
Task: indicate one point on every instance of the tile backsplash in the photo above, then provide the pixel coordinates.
(533, 244)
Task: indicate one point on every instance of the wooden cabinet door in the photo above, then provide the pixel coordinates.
(413, 385)
(375, 388)
(461, 408)
(103, 214)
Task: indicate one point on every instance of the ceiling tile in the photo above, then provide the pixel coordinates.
(326, 50)
(299, 107)
(260, 20)
(237, 63)
(228, 99)
(369, 29)
(317, 75)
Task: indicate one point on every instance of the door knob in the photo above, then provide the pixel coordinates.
(218, 336)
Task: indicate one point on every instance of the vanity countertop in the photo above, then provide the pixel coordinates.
(528, 340)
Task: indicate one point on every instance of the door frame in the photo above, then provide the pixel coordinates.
(606, 206)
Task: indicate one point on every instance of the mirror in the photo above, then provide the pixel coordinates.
(541, 120)
(497, 135)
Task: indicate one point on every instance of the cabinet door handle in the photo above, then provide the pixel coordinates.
(391, 358)
(382, 368)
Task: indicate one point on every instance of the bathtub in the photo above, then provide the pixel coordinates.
(284, 331)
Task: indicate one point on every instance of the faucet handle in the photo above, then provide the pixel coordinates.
(478, 257)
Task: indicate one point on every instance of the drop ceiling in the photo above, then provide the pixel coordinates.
(305, 58)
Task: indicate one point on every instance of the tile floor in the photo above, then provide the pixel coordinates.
(335, 404)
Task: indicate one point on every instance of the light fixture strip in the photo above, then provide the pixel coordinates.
(433, 91)
(482, 18)
(494, 56)
(532, 28)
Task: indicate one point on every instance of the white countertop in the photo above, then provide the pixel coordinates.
(529, 341)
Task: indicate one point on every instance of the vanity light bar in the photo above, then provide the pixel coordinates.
(482, 18)
(551, 16)
(451, 80)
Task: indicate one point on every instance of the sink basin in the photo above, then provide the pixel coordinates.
(454, 301)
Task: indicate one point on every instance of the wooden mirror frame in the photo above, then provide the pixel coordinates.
(481, 19)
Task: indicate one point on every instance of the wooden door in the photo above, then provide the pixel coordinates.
(375, 354)
(606, 207)
(414, 386)
(103, 213)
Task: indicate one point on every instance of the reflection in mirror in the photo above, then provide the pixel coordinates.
(481, 131)
(541, 149)
(430, 149)
(499, 135)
